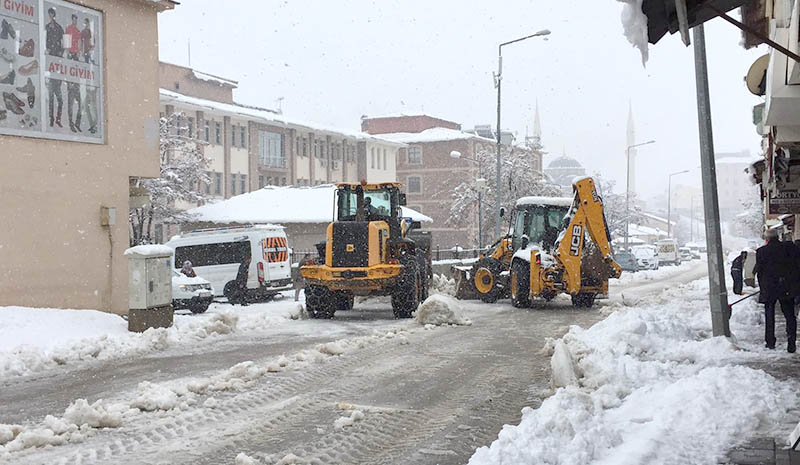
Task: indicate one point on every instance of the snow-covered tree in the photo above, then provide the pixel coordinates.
(750, 222)
(183, 172)
(519, 178)
(614, 206)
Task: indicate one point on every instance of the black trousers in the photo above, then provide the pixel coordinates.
(787, 307)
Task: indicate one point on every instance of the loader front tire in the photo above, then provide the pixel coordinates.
(486, 278)
(405, 298)
(520, 284)
(583, 300)
(320, 302)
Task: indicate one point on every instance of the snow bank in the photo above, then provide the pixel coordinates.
(634, 25)
(441, 284)
(34, 340)
(343, 422)
(651, 382)
(244, 459)
(440, 310)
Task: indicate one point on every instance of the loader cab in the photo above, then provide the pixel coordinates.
(370, 202)
(538, 220)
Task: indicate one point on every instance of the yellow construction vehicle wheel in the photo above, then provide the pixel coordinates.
(520, 284)
(487, 280)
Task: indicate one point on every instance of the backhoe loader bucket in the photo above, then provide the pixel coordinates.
(465, 287)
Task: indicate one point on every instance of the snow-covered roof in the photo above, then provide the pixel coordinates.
(549, 201)
(285, 204)
(265, 116)
(432, 135)
(639, 230)
(657, 218)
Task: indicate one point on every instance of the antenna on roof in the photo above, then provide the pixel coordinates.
(189, 44)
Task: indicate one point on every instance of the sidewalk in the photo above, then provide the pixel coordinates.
(766, 450)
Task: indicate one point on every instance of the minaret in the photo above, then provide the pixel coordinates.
(631, 140)
(537, 125)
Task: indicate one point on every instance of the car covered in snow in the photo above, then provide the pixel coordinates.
(627, 261)
(647, 256)
(685, 253)
(195, 293)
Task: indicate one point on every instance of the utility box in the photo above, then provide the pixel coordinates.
(149, 287)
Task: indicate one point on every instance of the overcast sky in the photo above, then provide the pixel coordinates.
(333, 61)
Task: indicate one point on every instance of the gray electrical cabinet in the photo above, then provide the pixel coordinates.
(149, 287)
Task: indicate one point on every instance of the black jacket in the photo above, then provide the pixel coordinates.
(736, 274)
(243, 273)
(777, 271)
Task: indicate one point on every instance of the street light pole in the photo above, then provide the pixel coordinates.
(498, 80)
(628, 186)
(669, 201)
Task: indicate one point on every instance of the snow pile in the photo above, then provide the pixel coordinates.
(441, 284)
(155, 397)
(244, 459)
(343, 422)
(440, 310)
(634, 25)
(562, 366)
(651, 382)
(151, 250)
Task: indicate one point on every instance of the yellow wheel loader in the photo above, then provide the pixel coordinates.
(581, 262)
(367, 252)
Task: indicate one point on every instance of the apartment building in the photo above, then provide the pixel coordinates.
(67, 184)
(429, 172)
(251, 147)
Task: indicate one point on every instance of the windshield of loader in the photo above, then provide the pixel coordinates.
(541, 223)
(377, 203)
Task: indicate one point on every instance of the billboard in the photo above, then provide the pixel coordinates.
(782, 203)
(51, 70)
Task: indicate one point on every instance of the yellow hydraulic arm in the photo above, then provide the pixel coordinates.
(586, 214)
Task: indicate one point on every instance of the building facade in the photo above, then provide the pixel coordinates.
(67, 188)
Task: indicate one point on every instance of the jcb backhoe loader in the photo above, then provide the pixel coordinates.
(367, 252)
(581, 261)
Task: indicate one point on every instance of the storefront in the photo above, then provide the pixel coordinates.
(78, 123)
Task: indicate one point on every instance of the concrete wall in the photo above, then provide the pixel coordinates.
(183, 80)
(53, 250)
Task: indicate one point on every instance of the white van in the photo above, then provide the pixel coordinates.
(668, 253)
(216, 253)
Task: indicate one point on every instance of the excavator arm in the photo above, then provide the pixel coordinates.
(585, 216)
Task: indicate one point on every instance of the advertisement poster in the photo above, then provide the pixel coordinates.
(782, 203)
(51, 70)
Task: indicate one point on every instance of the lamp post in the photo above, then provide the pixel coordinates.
(628, 186)
(480, 186)
(669, 200)
(498, 78)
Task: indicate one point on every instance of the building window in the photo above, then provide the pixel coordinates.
(414, 185)
(207, 131)
(190, 124)
(233, 185)
(305, 147)
(218, 130)
(243, 137)
(283, 181)
(269, 180)
(260, 182)
(270, 149)
(384, 158)
(233, 136)
(243, 183)
(218, 183)
(414, 155)
(372, 158)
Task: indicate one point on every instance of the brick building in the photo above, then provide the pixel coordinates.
(429, 173)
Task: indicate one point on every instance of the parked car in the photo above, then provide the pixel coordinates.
(668, 252)
(647, 256)
(216, 254)
(195, 293)
(685, 253)
(627, 261)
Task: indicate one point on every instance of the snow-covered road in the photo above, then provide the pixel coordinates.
(363, 388)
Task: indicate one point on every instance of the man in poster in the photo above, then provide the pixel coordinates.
(54, 45)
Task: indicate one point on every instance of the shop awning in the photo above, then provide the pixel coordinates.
(662, 15)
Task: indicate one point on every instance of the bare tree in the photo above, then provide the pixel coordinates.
(183, 173)
(519, 178)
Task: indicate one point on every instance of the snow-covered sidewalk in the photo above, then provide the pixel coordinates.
(649, 385)
(33, 340)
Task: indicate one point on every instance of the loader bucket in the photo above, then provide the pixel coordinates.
(465, 288)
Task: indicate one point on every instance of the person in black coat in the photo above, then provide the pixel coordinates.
(238, 287)
(779, 281)
(736, 272)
